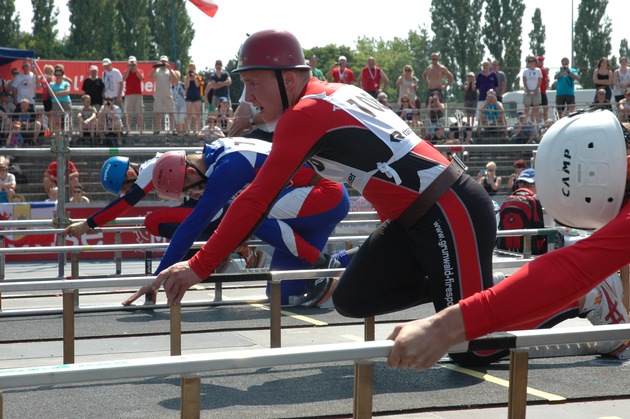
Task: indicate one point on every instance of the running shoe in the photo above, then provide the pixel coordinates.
(321, 289)
(608, 308)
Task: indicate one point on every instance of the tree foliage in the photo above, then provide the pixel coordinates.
(457, 28)
(591, 38)
(537, 35)
(174, 42)
(624, 51)
(45, 14)
(502, 35)
(133, 25)
(9, 24)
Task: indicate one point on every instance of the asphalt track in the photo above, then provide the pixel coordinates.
(578, 385)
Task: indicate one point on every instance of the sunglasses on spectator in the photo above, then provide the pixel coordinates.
(408, 70)
(3, 169)
(531, 61)
(58, 74)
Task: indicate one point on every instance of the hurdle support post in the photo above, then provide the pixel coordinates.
(517, 398)
(363, 389)
(190, 397)
(68, 326)
(176, 330)
(275, 301)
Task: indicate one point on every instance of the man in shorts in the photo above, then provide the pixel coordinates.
(164, 77)
(532, 80)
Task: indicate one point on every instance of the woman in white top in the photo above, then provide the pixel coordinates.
(621, 79)
(407, 85)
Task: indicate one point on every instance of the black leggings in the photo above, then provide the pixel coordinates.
(444, 257)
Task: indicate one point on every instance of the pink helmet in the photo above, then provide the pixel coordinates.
(271, 50)
(169, 173)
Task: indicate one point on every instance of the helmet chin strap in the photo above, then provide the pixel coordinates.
(283, 90)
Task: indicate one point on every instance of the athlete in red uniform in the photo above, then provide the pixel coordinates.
(436, 241)
(555, 279)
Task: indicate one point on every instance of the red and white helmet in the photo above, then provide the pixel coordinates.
(169, 174)
(581, 169)
(271, 50)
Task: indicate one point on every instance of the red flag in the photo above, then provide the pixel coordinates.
(209, 7)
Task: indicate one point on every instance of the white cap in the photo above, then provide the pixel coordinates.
(93, 67)
(132, 59)
(342, 57)
(107, 61)
(163, 58)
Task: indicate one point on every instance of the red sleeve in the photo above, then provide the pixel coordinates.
(550, 282)
(251, 206)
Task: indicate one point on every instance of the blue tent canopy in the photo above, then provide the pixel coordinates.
(8, 55)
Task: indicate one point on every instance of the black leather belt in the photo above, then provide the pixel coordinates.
(431, 194)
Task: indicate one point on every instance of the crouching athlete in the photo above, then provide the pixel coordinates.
(297, 227)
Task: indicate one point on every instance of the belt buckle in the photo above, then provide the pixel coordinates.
(459, 162)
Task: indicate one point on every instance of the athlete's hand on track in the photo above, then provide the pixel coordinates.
(176, 280)
(147, 289)
(77, 229)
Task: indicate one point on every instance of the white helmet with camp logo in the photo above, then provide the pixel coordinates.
(581, 169)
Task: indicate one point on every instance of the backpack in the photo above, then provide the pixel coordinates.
(519, 211)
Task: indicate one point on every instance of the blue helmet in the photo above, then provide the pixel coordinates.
(113, 174)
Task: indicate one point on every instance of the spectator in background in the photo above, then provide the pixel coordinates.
(340, 72)
(15, 137)
(544, 101)
(407, 85)
(164, 77)
(489, 180)
(502, 79)
(382, 99)
(94, 87)
(62, 104)
(434, 75)
(113, 81)
(7, 180)
(77, 195)
(50, 177)
(24, 85)
(317, 73)
(603, 78)
(53, 195)
(211, 132)
(220, 82)
(87, 118)
(435, 113)
(524, 132)
(134, 104)
(224, 114)
(9, 89)
(439, 135)
(194, 91)
(621, 79)
(601, 101)
(407, 112)
(27, 117)
(470, 98)
(624, 107)
(532, 80)
(111, 121)
(519, 166)
(565, 87)
(492, 122)
(372, 78)
(47, 100)
(486, 80)
(179, 100)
